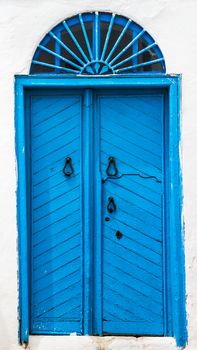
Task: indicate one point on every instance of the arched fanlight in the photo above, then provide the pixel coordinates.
(96, 44)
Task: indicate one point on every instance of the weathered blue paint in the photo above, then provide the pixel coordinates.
(56, 228)
(176, 320)
(131, 126)
(176, 219)
(22, 217)
(98, 195)
(88, 199)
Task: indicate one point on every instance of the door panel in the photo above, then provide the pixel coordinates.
(124, 274)
(56, 242)
(131, 131)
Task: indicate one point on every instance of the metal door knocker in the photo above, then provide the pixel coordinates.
(111, 206)
(68, 168)
(111, 167)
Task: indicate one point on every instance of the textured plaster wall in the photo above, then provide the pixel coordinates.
(22, 24)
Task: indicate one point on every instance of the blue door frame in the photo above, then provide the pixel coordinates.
(175, 246)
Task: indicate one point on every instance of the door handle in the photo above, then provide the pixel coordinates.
(111, 206)
(111, 167)
(68, 169)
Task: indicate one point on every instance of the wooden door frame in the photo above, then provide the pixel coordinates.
(175, 245)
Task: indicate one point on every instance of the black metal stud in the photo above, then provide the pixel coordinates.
(119, 234)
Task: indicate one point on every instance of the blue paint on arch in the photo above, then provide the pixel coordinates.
(93, 52)
(176, 324)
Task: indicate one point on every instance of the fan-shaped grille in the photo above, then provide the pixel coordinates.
(97, 43)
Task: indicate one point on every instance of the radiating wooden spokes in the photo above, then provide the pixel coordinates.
(82, 45)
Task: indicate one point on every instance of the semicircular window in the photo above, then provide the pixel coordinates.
(96, 44)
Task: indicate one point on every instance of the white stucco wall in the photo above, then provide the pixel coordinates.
(22, 25)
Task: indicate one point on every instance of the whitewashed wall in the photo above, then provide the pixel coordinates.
(173, 23)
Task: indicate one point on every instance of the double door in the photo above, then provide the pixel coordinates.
(96, 235)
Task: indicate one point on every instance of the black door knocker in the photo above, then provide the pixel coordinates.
(111, 167)
(68, 168)
(111, 206)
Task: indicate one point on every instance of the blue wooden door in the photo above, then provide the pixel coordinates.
(108, 264)
(131, 157)
(56, 242)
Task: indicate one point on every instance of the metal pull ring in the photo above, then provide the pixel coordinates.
(68, 168)
(111, 167)
(111, 207)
